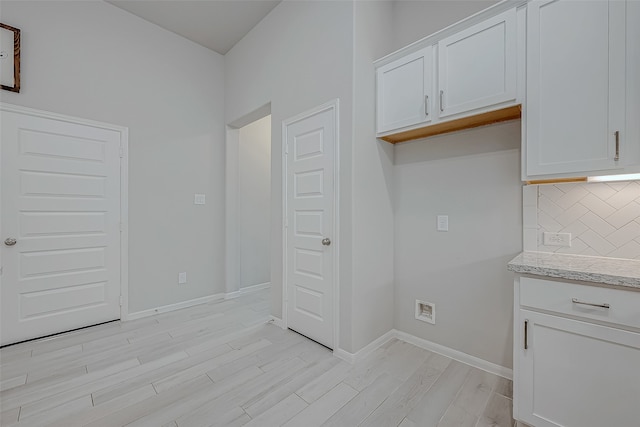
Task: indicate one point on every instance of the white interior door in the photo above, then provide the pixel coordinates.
(310, 217)
(61, 205)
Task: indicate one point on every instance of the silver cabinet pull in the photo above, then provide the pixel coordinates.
(326, 241)
(576, 301)
(617, 156)
(10, 241)
(441, 100)
(526, 338)
(426, 105)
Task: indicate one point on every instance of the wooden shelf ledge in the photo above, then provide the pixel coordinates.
(483, 119)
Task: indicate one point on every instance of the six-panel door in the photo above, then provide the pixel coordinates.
(61, 204)
(310, 220)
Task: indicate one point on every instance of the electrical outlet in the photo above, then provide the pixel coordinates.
(198, 199)
(556, 239)
(182, 278)
(442, 222)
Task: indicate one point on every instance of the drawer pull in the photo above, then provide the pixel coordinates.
(576, 301)
(526, 333)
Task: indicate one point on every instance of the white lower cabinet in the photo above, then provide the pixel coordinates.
(571, 371)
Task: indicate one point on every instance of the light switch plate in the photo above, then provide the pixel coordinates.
(199, 199)
(442, 223)
(182, 278)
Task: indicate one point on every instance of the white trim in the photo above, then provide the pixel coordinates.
(175, 306)
(465, 358)
(247, 290)
(366, 350)
(124, 187)
(198, 301)
(124, 225)
(277, 322)
(232, 231)
(333, 105)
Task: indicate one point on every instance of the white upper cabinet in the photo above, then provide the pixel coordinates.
(405, 91)
(477, 66)
(574, 117)
(464, 76)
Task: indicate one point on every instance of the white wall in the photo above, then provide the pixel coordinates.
(415, 19)
(92, 60)
(372, 199)
(472, 176)
(254, 202)
(298, 57)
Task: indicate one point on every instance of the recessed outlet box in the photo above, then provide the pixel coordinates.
(182, 278)
(556, 239)
(426, 311)
(198, 199)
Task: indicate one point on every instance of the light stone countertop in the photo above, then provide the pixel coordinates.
(609, 271)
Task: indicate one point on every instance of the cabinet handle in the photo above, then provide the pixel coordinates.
(441, 100)
(426, 105)
(576, 301)
(617, 134)
(526, 338)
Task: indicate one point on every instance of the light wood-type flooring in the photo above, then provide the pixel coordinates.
(221, 364)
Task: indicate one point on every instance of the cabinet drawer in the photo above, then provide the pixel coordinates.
(583, 301)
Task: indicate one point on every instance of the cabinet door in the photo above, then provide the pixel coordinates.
(477, 66)
(575, 86)
(576, 374)
(404, 91)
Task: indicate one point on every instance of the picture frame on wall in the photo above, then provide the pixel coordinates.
(9, 58)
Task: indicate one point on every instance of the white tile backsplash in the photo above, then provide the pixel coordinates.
(603, 218)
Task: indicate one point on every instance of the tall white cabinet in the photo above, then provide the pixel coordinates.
(575, 91)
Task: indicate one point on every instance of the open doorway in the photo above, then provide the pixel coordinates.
(254, 204)
(248, 200)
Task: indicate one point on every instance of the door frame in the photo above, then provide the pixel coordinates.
(124, 188)
(232, 209)
(334, 107)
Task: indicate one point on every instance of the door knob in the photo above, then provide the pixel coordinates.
(10, 241)
(326, 241)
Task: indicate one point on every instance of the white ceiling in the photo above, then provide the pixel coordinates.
(215, 24)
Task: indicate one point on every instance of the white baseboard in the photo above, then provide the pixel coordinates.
(196, 301)
(173, 307)
(476, 362)
(468, 359)
(277, 322)
(247, 290)
(366, 350)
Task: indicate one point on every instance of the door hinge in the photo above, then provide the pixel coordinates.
(121, 300)
(121, 152)
(286, 148)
